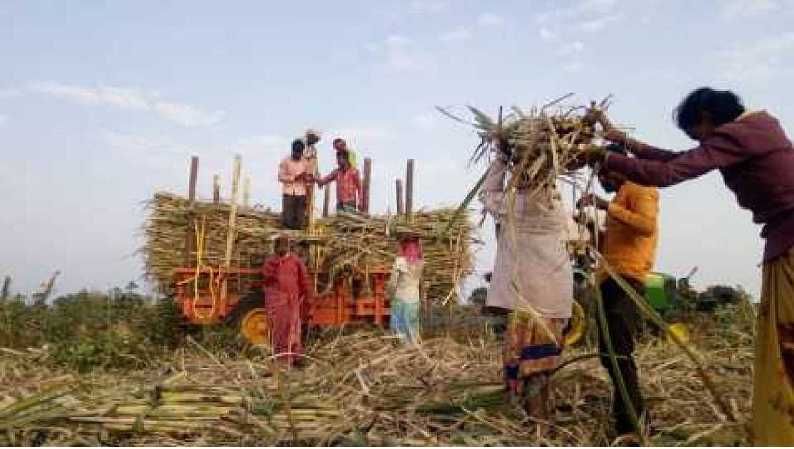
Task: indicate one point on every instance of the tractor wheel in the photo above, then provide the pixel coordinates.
(250, 318)
(577, 327)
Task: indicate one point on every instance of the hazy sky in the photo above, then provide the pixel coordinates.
(103, 102)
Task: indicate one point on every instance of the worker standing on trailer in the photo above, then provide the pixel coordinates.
(295, 178)
(287, 287)
(340, 145)
(629, 247)
(404, 282)
(311, 139)
(532, 284)
(756, 160)
(348, 184)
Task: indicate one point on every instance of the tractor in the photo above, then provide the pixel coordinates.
(668, 295)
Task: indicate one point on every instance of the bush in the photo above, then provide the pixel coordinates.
(88, 330)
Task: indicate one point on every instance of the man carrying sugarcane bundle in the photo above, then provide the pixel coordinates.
(532, 283)
(287, 287)
(629, 246)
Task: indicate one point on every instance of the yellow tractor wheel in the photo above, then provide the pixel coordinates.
(578, 326)
(255, 327)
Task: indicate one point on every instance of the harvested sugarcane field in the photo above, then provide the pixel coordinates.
(404, 223)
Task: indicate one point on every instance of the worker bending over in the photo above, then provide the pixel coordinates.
(629, 247)
(287, 287)
(756, 160)
(295, 177)
(348, 184)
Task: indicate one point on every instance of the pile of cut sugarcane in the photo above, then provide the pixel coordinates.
(346, 242)
(364, 389)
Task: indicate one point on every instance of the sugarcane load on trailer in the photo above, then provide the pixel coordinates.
(208, 256)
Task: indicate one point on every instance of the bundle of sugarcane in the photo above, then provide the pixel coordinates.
(539, 145)
(348, 242)
(360, 243)
(171, 218)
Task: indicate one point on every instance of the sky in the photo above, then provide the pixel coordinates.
(102, 103)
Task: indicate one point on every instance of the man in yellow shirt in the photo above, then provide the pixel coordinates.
(629, 246)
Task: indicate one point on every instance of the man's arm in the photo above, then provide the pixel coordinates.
(492, 195)
(283, 173)
(331, 176)
(640, 149)
(717, 152)
(641, 216)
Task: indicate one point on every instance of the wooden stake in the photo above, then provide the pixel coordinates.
(409, 188)
(246, 191)
(6, 291)
(216, 189)
(190, 237)
(191, 188)
(366, 187)
(314, 169)
(326, 200)
(230, 235)
(400, 198)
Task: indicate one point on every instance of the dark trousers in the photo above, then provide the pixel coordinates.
(293, 211)
(623, 321)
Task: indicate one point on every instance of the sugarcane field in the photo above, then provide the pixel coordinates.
(404, 223)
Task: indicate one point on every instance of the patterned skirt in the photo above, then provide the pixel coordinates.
(532, 350)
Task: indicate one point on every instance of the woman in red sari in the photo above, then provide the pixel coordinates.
(287, 286)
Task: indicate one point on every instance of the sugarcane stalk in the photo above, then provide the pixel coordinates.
(643, 306)
(621, 383)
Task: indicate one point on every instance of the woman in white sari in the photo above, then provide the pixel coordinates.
(532, 282)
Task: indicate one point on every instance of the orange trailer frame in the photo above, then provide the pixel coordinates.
(200, 299)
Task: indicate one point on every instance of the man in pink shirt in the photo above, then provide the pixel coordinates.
(294, 176)
(348, 184)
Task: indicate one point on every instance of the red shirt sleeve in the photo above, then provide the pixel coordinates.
(719, 151)
(269, 272)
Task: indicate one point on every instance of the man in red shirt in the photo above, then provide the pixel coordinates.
(348, 184)
(287, 286)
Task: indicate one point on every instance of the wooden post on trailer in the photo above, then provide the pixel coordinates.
(191, 188)
(326, 200)
(6, 291)
(366, 185)
(190, 237)
(311, 189)
(216, 189)
(400, 197)
(230, 235)
(409, 189)
(246, 191)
